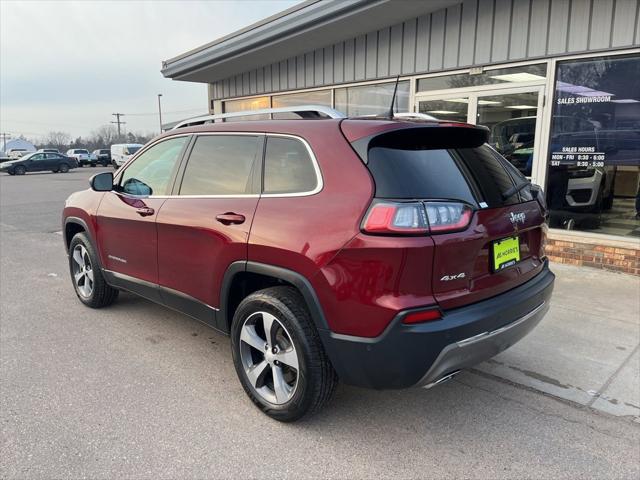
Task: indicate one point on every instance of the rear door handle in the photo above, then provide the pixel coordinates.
(145, 211)
(230, 218)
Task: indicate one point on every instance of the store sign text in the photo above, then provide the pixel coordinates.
(577, 100)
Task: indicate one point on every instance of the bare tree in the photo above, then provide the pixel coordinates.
(104, 136)
(59, 140)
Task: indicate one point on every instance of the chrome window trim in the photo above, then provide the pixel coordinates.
(319, 180)
(120, 171)
(316, 167)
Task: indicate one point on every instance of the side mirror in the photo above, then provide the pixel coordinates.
(102, 182)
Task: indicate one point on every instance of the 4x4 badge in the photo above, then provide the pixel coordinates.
(448, 278)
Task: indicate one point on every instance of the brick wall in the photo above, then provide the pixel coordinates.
(616, 256)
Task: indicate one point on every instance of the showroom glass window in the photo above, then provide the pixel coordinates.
(371, 99)
(256, 103)
(594, 152)
(318, 97)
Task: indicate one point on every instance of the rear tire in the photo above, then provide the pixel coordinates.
(86, 275)
(63, 168)
(19, 170)
(278, 355)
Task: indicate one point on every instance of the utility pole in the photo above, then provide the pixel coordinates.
(4, 140)
(160, 112)
(118, 121)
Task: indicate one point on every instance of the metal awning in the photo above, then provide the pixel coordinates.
(303, 28)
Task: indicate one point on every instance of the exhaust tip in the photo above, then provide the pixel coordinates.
(443, 379)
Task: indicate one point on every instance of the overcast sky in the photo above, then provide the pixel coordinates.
(67, 66)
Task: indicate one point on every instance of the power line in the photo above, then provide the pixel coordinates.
(118, 121)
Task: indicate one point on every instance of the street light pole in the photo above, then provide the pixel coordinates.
(160, 112)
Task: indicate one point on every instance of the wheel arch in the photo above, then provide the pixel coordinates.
(244, 277)
(73, 226)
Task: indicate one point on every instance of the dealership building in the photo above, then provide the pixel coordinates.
(557, 82)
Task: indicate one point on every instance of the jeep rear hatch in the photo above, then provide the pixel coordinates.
(444, 181)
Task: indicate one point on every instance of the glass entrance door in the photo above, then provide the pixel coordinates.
(514, 121)
(513, 116)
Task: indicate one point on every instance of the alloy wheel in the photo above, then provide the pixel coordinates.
(82, 271)
(269, 357)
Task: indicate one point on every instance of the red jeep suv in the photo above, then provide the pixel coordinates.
(386, 253)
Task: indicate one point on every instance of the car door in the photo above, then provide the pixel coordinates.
(36, 163)
(53, 161)
(127, 235)
(204, 226)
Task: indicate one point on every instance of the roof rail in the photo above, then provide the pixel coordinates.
(305, 111)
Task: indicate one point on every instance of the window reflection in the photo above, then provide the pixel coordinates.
(504, 76)
(372, 99)
(594, 159)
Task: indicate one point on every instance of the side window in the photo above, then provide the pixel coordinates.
(221, 165)
(288, 168)
(151, 172)
(38, 157)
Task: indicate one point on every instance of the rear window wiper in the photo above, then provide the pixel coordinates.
(515, 189)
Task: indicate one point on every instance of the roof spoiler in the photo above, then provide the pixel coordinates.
(435, 136)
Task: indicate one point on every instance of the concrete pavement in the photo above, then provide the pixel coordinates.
(137, 390)
(586, 349)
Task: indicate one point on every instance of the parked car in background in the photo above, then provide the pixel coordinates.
(39, 162)
(81, 155)
(101, 156)
(383, 253)
(122, 152)
(16, 152)
(49, 150)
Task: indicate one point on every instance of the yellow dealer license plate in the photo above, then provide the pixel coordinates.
(506, 253)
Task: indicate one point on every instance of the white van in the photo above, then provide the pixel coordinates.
(122, 152)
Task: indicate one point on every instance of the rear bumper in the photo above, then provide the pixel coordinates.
(422, 354)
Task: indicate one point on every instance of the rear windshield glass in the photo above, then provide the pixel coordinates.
(473, 175)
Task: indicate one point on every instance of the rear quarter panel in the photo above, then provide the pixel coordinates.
(372, 278)
(304, 233)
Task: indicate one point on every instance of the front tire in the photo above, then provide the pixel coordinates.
(88, 281)
(19, 170)
(278, 355)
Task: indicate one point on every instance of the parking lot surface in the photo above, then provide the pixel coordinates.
(137, 390)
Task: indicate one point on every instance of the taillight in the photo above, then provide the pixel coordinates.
(395, 217)
(448, 216)
(415, 218)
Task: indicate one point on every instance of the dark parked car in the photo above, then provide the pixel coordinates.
(101, 156)
(383, 253)
(39, 162)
